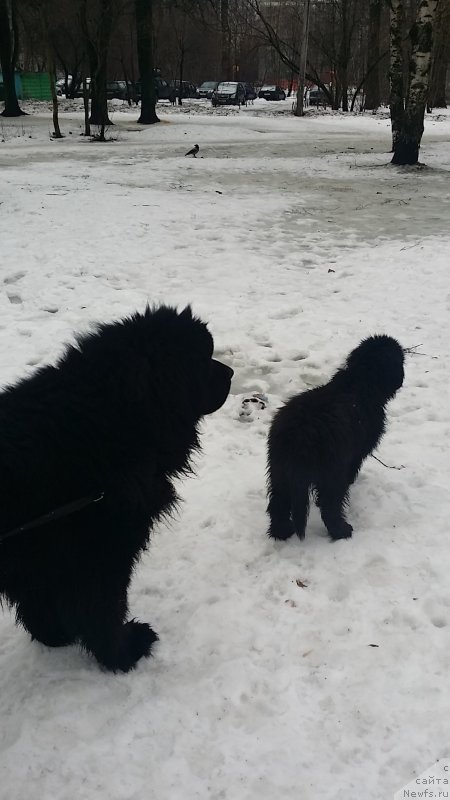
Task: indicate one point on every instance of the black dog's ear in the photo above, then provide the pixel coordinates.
(186, 313)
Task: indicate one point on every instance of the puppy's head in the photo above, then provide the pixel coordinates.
(377, 365)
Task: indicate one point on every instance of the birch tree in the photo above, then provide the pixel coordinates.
(408, 101)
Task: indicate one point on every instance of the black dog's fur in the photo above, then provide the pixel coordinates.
(319, 439)
(117, 414)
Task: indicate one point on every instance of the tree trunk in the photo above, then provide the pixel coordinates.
(291, 84)
(87, 125)
(144, 28)
(344, 57)
(85, 61)
(99, 101)
(51, 71)
(344, 89)
(441, 56)
(7, 59)
(226, 40)
(300, 105)
(408, 137)
(336, 94)
(66, 82)
(397, 106)
(98, 60)
(372, 84)
(180, 88)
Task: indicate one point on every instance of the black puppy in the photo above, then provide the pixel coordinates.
(319, 439)
(88, 449)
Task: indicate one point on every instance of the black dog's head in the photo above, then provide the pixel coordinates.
(178, 348)
(217, 386)
(376, 365)
(209, 378)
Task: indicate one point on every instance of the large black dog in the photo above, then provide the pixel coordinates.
(319, 439)
(87, 452)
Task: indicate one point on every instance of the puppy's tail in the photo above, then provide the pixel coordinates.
(299, 503)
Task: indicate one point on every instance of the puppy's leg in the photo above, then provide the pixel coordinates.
(39, 617)
(331, 498)
(281, 525)
(279, 507)
(300, 504)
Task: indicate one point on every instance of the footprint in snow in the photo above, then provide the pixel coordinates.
(252, 407)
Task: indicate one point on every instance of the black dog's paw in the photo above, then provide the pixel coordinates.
(120, 648)
(135, 642)
(344, 531)
(139, 638)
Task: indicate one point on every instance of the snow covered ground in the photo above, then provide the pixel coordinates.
(303, 670)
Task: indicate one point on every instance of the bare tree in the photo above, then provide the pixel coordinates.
(41, 15)
(218, 18)
(440, 57)
(144, 28)
(226, 39)
(45, 16)
(69, 52)
(98, 20)
(334, 38)
(271, 28)
(99, 45)
(334, 32)
(8, 56)
(299, 106)
(122, 61)
(372, 83)
(178, 23)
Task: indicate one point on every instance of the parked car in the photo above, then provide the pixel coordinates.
(163, 90)
(189, 89)
(250, 91)
(137, 92)
(272, 93)
(207, 88)
(75, 90)
(60, 86)
(317, 97)
(229, 93)
(119, 90)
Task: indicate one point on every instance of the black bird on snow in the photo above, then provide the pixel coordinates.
(193, 152)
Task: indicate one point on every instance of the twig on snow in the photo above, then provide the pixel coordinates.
(412, 351)
(389, 466)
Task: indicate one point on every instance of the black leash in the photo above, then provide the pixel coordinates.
(57, 513)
